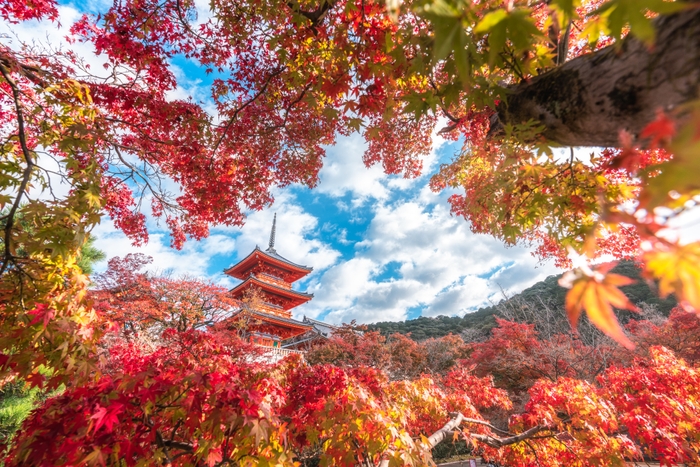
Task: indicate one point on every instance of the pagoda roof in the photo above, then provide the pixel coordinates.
(279, 319)
(289, 343)
(295, 298)
(322, 323)
(239, 269)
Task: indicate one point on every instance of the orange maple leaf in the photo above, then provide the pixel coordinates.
(598, 294)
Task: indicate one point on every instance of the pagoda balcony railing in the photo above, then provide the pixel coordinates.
(269, 278)
(279, 352)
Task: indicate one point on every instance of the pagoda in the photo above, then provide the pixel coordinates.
(269, 316)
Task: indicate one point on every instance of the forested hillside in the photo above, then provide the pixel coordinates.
(547, 292)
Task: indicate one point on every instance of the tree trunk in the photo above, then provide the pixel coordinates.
(588, 100)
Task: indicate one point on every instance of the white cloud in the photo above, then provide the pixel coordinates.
(459, 297)
(296, 237)
(344, 172)
(296, 240)
(204, 12)
(193, 259)
(51, 37)
(439, 265)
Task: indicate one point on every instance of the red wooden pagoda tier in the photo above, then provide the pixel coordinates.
(275, 327)
(270, 264)
(270, 321)
(280, 297)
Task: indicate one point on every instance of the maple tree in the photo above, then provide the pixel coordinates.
(195, 397)
(513, 79)
(144, 304)
(678, 333)
(199, 399)
(518, 353)
(399, 356)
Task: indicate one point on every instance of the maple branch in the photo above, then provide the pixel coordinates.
(314, 16)
(563, 44)
(288, 109)
(28, 71)
(161, 197)
(488, 425)
(534, 452)
(178, 445)
(588, 100)
(26, 173)
(139, 129)
(446, 431)
(497, 442)
(451, 427)
(185, 24)
(159, 440)
(233, 118)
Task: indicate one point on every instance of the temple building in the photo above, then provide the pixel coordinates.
(318, 334)
(267, 297)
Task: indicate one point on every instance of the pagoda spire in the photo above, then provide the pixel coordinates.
(271, 246)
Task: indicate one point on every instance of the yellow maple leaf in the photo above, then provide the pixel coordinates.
(677, 268)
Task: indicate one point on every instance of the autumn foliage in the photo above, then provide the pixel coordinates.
(399, 356)
(208, 398)
(144, 305)
(286, 79)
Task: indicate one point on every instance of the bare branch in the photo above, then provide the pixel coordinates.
(448, 430)
(497, 442)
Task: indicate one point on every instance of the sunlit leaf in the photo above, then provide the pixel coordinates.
(597, 294)
(677, 268)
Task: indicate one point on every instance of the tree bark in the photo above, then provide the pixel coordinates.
(446, 431)
(439, 436)
(588, 100)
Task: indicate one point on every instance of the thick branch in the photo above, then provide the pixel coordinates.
(498, 442)
(448, 431)
(588, 100)
(314, 16)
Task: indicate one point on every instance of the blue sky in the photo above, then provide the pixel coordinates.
(382, 247)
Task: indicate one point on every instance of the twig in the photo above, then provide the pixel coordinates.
(26, 174)
(233, 118)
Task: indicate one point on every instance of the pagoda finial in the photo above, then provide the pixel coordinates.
(272, 233)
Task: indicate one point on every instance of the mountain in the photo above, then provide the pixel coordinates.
(547, 291)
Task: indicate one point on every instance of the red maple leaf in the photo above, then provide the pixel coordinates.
(107, 416)
(41, 312)
(660, 130)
